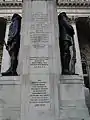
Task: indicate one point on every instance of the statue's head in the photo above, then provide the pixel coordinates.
(16, 16)
(63, 15)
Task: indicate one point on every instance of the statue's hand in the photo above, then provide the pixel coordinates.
(7, 47)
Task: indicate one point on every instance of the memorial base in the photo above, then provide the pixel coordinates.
(72, 98)
(39, 61)
(10, 98)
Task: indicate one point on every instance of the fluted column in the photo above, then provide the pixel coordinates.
(78, 65)
(5, 58)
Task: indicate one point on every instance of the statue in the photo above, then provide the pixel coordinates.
(56, 1)
(65, 42)
(13, 45)
(73, 59)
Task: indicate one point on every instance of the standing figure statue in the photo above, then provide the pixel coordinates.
(66, 33)
(56, 1)
(73, 58)
(13, 45)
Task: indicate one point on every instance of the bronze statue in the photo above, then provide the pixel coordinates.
(56, 1)
(13, 45)
(73, 58)
(65, 41)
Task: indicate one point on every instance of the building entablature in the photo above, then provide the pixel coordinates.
(11, 4)
(9, 7)
(74, 3)
(74, 8)
(61, 3)
(75, 13)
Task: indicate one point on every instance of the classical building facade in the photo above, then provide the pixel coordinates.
(79, 13)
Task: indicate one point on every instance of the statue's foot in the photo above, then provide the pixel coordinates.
(9, 73)
(74, 74)
(14, 74)
(66, 72)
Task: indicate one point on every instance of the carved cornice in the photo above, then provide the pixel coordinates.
(11, 4)
(61, 3)
(74, 3)
(8, 18)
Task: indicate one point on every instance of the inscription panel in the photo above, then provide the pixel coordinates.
(39, 33)
(39, 62)
(39, 30)
(39, 94)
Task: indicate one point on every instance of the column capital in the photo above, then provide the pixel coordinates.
(8, 18)
(73, 19)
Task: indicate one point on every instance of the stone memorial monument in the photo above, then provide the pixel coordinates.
(39, 54)
(42, 92)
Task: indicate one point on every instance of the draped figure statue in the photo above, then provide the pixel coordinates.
(66, 40)
(13, 45)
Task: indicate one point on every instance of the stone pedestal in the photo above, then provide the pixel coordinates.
(72, 99)
(40, 61)
(10, 98)
(72, 90)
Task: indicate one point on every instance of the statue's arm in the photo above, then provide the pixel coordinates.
(13, 31)
(68, 26)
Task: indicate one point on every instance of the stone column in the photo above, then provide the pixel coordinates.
(5, 58)
(78, 65)
(40, 61)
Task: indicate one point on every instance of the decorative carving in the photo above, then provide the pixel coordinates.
(11, 4)
(74, 3)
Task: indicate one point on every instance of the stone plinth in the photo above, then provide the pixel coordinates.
(10, 98)
(40, 61)
(72, 98)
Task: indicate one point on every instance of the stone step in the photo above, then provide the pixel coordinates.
(70, 118)
(74, 113)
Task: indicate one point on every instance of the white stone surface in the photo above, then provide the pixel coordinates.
(9, 98)
(39, 61)
(72, 98)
